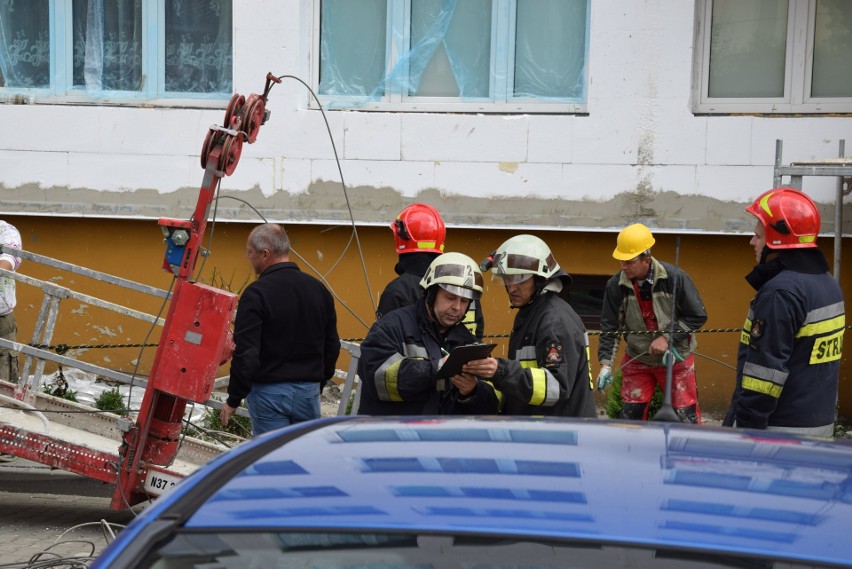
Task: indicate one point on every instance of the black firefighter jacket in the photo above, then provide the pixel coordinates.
(547, 372)
(398, 367)
(790, 348)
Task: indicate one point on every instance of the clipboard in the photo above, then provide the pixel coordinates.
(461, 355)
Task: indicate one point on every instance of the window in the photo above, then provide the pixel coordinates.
(774, 56)
(453, 55)
(585, 295)
(117, 49)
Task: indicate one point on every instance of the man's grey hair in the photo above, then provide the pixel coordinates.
(272, 237)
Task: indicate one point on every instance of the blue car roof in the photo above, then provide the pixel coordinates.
(660, 484)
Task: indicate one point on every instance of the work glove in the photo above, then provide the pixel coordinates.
(604, 377)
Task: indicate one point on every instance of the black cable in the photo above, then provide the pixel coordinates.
(342, 183)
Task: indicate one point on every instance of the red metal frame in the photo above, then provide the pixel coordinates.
(194, 341)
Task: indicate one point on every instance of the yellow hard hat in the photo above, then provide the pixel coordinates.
(633, 241)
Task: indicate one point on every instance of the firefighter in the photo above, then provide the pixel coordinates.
(638, 298)
(788, 363)
(547, 372)
(419, 236)
(403, 350)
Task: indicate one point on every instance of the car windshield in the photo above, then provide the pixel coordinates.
(321, 550)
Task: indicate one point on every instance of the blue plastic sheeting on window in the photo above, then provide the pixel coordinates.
(450, 54)
(550, 49)
(353, 47)
(373, 49)
(25, 44)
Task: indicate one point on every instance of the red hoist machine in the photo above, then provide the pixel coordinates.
(196, 337)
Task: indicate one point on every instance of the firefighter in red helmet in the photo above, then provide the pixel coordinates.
(788, 363)
(419, 236)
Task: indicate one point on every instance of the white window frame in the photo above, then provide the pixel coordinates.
(399, 12)
(798, 70)
(62, 89)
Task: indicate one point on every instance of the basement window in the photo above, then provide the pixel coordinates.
(585, 295)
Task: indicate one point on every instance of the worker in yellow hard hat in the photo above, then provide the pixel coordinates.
(638, 300)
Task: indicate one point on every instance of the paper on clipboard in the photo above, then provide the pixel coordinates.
(461, 355)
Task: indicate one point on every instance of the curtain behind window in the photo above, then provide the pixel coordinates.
(107, 45)
(199, 47)
(24, 44)
(748, 48)
(832, 75)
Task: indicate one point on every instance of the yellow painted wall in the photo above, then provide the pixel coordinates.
(134, 250)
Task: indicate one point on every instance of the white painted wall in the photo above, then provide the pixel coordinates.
(640, 88)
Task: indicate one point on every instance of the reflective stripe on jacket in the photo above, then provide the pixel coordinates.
(399, 363)
(788, 363)
(547, 372)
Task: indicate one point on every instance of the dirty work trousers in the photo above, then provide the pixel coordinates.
(639, 380)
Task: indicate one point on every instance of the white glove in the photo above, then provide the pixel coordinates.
(604, 377)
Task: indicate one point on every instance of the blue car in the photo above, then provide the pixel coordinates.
(503, 493)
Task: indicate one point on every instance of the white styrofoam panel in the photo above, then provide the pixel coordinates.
(464, 138)
(733, 183)
(23, 167)
(551, 139)
(681, 179)
(728, 141)
(611, 134)
(303, 134)
(490, 179)
(123, 173)
(294, 175)
(408, 178)
(679, 137)
(49, 128)
(598, 182)
(372, 137)
(805, 138)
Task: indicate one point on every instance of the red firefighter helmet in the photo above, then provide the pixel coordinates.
(789, 216)
(419, 229)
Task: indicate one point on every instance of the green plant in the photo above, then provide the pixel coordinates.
(237, 425)
(59, 388)
(111, 400)
(614, 402)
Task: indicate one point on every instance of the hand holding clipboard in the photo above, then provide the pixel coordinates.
(461, 355)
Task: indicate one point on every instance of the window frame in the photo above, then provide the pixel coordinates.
(798, 69)
(503, 14)
(63, 91)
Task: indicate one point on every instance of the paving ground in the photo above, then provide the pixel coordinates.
(45, 515)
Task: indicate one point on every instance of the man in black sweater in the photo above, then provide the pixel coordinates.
(286, 338)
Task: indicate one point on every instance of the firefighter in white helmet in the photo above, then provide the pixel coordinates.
(547, 372)
(402, 352)
(638, 299)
